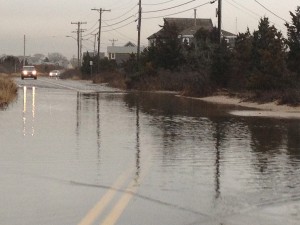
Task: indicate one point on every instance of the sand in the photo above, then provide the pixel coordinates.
(263, 110)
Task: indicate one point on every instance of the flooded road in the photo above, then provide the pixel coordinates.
(77, 153)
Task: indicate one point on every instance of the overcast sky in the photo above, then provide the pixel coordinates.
(46, 23)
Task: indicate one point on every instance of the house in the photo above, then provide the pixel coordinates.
(122, 53)
(187, 27)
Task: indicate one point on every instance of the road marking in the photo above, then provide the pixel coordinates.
(119, 208)
(105, 200)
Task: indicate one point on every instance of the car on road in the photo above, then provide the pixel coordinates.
(54, 73)
(29, 72)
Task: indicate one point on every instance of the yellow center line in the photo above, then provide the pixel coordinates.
(104, 201)
(119, 208)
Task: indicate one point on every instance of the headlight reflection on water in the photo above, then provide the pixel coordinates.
(25, 102)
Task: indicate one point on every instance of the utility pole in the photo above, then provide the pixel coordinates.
(139, 33)
(79, 41)
(95, 37)
(220, 20)
(113, 42)
(24, 50)
(100, 21)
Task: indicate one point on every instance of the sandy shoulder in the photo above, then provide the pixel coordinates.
(266, 110)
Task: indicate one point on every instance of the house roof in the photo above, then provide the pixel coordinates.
(184, 23)
(186, 26)
(228, 34)
(129, 44)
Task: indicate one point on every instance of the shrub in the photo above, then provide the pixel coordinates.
(8, 91)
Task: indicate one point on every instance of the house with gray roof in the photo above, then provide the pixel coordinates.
(187, 28)
(122, 53)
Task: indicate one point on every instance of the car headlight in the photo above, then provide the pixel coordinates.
(25, 72)
(34, 72)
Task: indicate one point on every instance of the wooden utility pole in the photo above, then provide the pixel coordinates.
(100, 22)
(78, 41)
(139, 33)
(95, 38)
(220, 20)
(24, 50)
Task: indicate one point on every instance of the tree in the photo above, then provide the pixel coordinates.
(206, 42)
(293, 42)
(241, 65)
(167, 52)
(10, 64)
(221, 65)
(268, 57)
(58, 59)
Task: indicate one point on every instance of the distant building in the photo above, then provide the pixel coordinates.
(187, 28)
(122, 53)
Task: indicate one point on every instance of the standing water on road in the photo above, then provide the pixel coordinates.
(188, 162)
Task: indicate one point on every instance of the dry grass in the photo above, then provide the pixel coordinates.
(114, 79)
(8, 90)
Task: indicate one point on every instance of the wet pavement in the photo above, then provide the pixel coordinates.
(73, 152)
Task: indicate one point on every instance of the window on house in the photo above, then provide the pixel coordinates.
(186, 41)
(112, 55)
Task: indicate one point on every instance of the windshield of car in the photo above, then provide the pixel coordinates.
(28, 68)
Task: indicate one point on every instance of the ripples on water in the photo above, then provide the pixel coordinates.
(200, 148)
(202, 158)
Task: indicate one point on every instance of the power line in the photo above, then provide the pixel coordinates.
(118, 22)
(122, 14)
(210, 2)
(113, 29)
(159, 3)
(176, 6)
(270, 11)
(127, 38)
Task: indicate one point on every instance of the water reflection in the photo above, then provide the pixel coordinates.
(258, 148)
(25, 117)
(138, 150)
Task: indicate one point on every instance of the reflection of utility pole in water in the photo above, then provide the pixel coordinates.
(78, 118)
(98, 130)
(218, 137)
(138, 151)
(25, 110)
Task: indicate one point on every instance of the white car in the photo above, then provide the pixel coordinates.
(54, 73)
(28, 71)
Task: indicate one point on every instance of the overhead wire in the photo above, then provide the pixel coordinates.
(154, 17)
(158, 3)
(127, 38)
(122, 14)
(118, 22)
(120, 26)
(245, 9)
(271, 11)
(173, 7)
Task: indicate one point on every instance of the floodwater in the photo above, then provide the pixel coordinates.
(189, 162)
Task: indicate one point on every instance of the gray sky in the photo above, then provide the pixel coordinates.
(46, 23)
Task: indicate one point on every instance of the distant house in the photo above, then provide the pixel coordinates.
(187, 28)
(122, 53)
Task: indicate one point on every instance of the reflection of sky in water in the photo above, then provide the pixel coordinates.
(192, 155)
